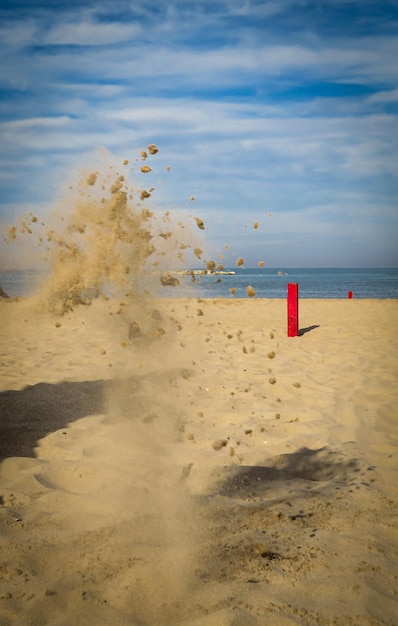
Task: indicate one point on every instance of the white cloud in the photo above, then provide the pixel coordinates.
(90, 33)
(384, 97)
(15, 35)
(35, 122)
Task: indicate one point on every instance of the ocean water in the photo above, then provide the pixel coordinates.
(379, 283)
(20, 282)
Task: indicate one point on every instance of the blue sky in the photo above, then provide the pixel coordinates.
(264, 107)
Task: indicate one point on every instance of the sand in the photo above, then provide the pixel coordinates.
(195, 466)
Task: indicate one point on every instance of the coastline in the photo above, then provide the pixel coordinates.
(208, 454)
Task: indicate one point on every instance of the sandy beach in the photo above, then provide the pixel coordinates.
(183, 461)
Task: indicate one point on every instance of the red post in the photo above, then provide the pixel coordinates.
(292, 309)
(350, 295)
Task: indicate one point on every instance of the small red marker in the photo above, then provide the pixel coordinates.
(292, 309)
(349, 295)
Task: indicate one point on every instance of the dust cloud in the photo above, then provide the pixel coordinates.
(104, 240)
(110, 255)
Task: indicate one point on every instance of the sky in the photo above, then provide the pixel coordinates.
(281, 112)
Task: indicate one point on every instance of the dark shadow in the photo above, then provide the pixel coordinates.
(31, 413)
(302, 331)
(303, 468)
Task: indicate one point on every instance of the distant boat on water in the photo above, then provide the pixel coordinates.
(205, 273)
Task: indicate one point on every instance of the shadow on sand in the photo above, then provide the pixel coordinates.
(305, 469)
(308, 329)
(28, 415)
(31, 413)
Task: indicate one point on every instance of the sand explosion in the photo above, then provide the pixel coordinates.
(103, 240)
(108, 249)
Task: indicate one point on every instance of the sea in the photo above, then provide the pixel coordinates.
(363, 283)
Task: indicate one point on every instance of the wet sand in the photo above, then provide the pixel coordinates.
(187, 463)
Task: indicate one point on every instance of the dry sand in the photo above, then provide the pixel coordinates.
(188, 463)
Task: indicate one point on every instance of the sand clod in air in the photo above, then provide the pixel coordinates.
(240, 262)
(134, 330)
(11, 233)
(220, 443)
(168, 280)
(261, 264)
(145, 169)
(251, 292)
(152, 148)
(199, 223)
(91, 179)
(255, 225)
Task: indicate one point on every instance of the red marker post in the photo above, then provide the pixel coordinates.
(349, 295)
(292, 309)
